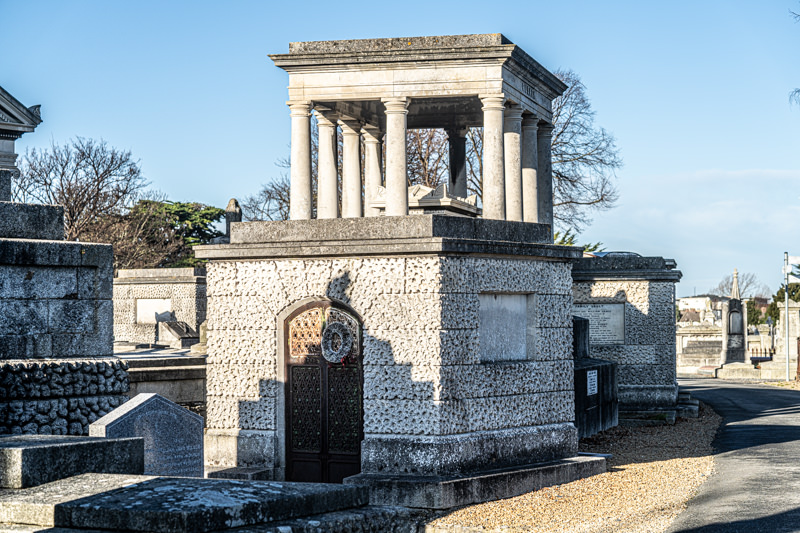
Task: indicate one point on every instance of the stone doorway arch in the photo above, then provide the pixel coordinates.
(324, 414)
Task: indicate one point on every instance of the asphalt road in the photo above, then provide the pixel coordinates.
(755, 486)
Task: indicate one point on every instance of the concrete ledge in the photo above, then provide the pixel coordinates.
(31, 460)
(439, 492)
(625, 267)
(167, 505)
(29, 221)
(425, 234)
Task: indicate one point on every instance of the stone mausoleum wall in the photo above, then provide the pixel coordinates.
(176, 294)
(447, 386)
(630, 301)
(58, 371)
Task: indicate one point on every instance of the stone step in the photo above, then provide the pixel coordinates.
(370, 519)
(647, 418)
(170, 505)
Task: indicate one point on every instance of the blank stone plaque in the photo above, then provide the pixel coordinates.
(606, 322)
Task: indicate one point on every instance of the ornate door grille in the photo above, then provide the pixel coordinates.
(324, 413)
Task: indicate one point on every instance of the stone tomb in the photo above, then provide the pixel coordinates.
(145, 298)
(435, 398)
(630, 303)
(173, 435)
(56, 359)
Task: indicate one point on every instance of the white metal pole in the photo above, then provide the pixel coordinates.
(786, 302)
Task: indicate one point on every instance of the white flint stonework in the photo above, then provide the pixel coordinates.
(422, 369)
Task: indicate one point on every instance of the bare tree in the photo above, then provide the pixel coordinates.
(749, 286)
(428, 156)
(89, 178)
(585, 158)
(271, 202)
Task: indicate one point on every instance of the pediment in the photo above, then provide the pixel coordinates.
(15, 116)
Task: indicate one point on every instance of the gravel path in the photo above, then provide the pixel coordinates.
(654, 472)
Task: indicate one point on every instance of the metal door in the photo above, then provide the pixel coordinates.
(324, 413)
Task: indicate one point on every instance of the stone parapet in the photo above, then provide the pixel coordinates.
(28, 221)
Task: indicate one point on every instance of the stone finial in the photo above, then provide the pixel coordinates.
(735, 287)
(233, 213)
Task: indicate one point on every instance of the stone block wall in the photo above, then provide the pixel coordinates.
(645, 353)
(58, 371)
(182, 291)
(432, 405)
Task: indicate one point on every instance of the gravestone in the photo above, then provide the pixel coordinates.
(173, 436)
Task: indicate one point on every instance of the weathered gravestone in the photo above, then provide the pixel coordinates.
(173, 436)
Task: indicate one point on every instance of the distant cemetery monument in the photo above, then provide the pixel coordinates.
(59, 374)
(374, 347)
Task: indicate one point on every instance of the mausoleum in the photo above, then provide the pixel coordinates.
(427, 356)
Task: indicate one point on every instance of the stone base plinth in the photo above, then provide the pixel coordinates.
(645, 397)
(738, 371)
(445, 492)
(454, 454)
(227, 449)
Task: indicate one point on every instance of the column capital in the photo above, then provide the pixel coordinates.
(530, 122)
(493, 101)
(299, 108)
(372, 134)
(396, 104)
(460, 131)
(326, 117)
(350, 126)
(513, 113)
(545, 129)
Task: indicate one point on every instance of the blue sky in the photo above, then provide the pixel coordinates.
(696, 94)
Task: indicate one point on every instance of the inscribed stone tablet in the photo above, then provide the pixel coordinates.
(503, 326)
(149, 310)
(173, 436)
(606, 322)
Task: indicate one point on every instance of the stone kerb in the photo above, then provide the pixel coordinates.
(432, 405)
(631, 302)
(173, 436)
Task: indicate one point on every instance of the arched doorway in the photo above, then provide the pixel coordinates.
(324, 400)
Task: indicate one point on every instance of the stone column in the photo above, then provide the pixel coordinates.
(396, 163)
(494, 205)
(300, 171)
(512, 141)
(372, 168)
(530, 163)
(327, 179)
(544, 176)
(351, 168)
(457, 139)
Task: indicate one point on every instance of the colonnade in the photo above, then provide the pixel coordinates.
(517, 166)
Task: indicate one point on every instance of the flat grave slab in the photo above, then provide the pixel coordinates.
(170, 505)
(30, 460)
